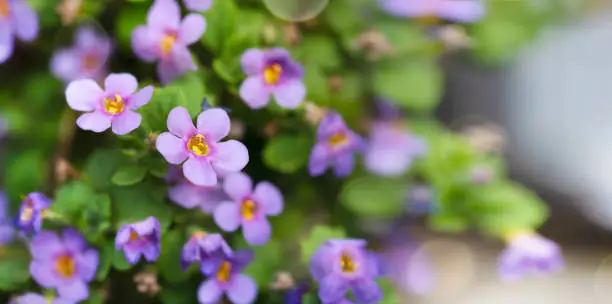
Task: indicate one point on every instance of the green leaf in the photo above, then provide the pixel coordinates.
(345, 16)
(412, 85)
(169, 260)
(14, 268)
(448, 222)
(137, 202)
(155, 113)
(26, 172)
(130, 16)
(268, 257)
(71, 198)
(129, 175)
(222, 20)
(95, 297)
(179, 294)
(158, 167)
(406, 38)
(318, 50)
(316, 82)
(107, 254)
(318, 235)
(119, 261)
(287, 153)
(374, 196)
(191, 84)
(389, 294)
(101, 166)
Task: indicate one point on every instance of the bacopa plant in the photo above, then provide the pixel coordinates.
(242, 165)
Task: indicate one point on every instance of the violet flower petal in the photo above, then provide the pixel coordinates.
(269, 198)
(143, 44)
(6, 42)
(290, 94)
(75, 290)
(198, 5)
(232, 156)
(257, 231)
(95, 121)
(252, 61)
(180, 123)
(199, 172)
(126, 122)
(171, 148)
(83, 95)
(227, 216)
(242, 289)
(26, 20)
(237, 186)
(215, 122)
(121, 83)
(209, 292)
(254, 92)
(191, 29)
(140, 98)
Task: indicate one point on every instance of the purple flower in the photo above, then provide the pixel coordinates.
(206, 156)
(32, 212)
(198, 5)
(208, 249)
(34, 298)
(407, 265)
(340, 265)
(387, 111)
(335, 146)
(239, 288)
(529, 253)
(165, 38)
(188, 195)
(66, 265)
(6, 229)
(464, 11)
(113, 106)
(249, 208)
(16, 19)
(86, 58)
(271, 72)
(139, 238)
(422, 200)
(391, 149)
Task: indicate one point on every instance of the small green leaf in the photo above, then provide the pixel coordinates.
(107, 254)
(448, 222)
(71, 198)
(389, 294)
(101, 166)
(14, 268)
(137, 202)
(169, 260)
(129, 175)
(155, 113)
(191, 84)
(26, 172)
(221, 19)
(158, 167)
(287, 153)
(119, 261)
(318, 235)
(130, 16)
(95, 297)
(374, 196)
(268, 263)
(318, 50)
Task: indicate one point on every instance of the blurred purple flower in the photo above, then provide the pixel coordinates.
(16, 19)
(113, 106)
(86, 58)
(188, 195)
(66, 265)
(391, 149)
(407, 266)
(340, 265)
(527, 254)
(208, 249)
(139, 238)
(198, 5)
(249, 208)
(165, 38)
(387, 111)
(271, 72)
(422, 200)
(335, 146)
(464, 11)
(7, 232)
(239, 288)
(32, 211)
(34, 298)
(206, 156)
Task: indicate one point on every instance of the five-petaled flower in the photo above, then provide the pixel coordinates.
(335, 147)
(340, 265)
(227, 279)
(139, 238)
(391, 149)
(198, 5)
(206, 156)
(34, 298)
(16, 19)
(271, 72)
(165, 38)
(188, 195)
(250, 208)
(113, 106)
(87, 58)
(65, 264)
(208, 249)
(529, 253)
(462, 11)
(32, 211)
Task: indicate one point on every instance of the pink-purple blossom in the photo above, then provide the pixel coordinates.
(198, 5)
(165, 39)
(35, 298)
(114, 106)
(204, 156)
(463, 11)
(7, 232)
(228, 280)
(207, 249)
(17, 19)
(391, 149)
(343, 264)
(86, 58)
(249, 208)
(65, 264)
(140, 238)
(187, 195)
(271, 72)
(335, 147)
(528, 254)
(31, 212)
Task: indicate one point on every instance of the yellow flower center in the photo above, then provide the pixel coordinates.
(27, 214)
(428, 20)
(248, 209)
(273, 73)
(65, 266)
(114, 105)
(197, 145)
(198, 234)
(134, 236)
(347, 264)
(224, 272)
(338, 139)
(167, 42)
(4, 8)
